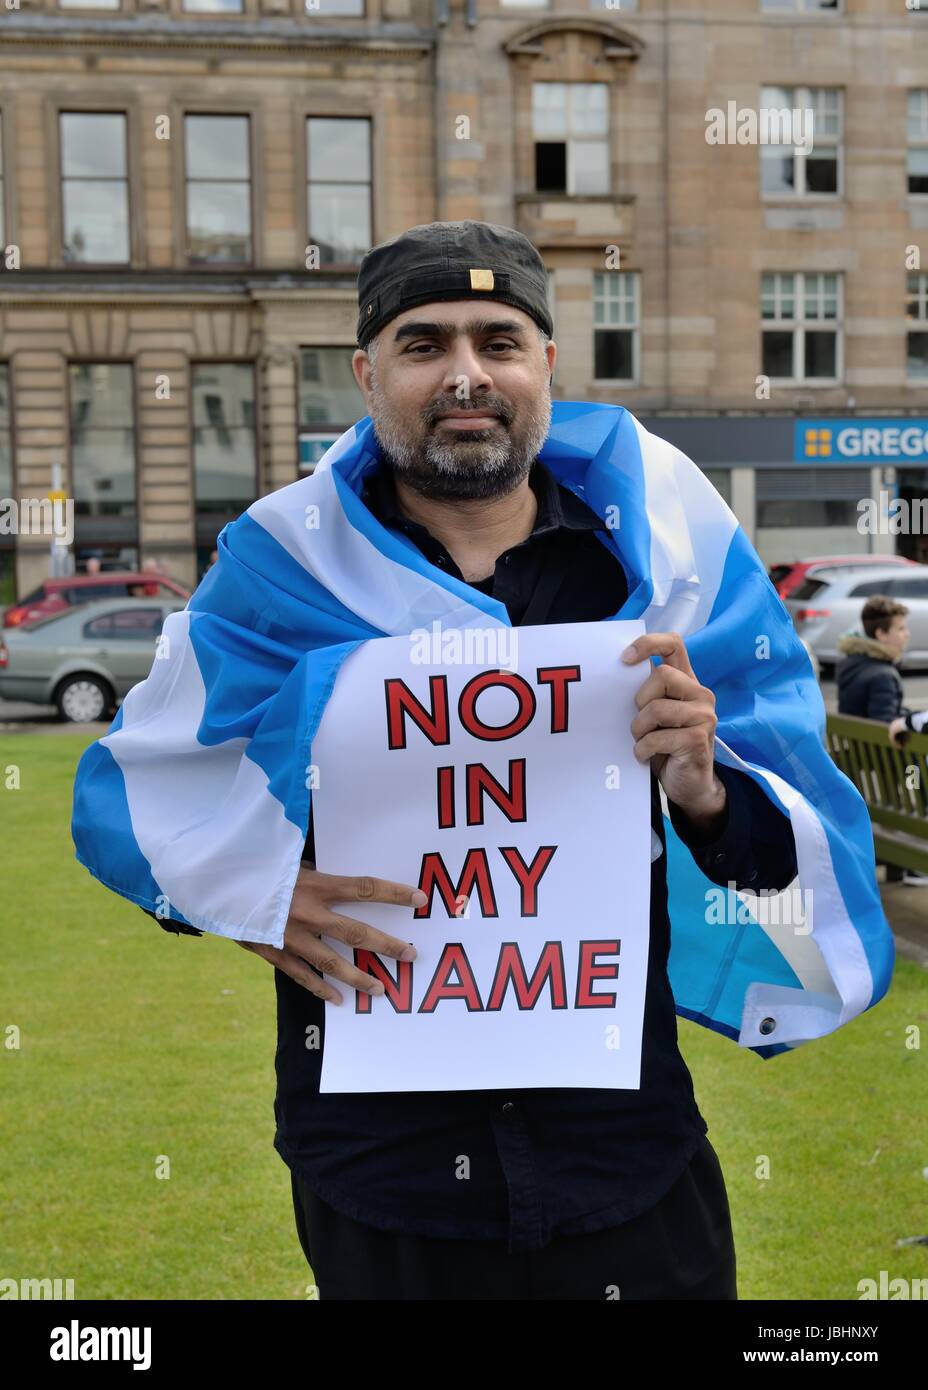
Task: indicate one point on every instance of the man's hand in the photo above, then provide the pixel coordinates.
(675, 729)
(311, 919)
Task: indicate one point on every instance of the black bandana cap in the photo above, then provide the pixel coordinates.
(450, 260)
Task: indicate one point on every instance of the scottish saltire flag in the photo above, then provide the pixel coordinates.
(195, 804)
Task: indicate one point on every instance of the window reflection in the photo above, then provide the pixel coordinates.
(218, 166)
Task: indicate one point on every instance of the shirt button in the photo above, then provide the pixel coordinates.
(440, 560)
(718, 858)
(508, 1108)
(506, 559)
(752, 877)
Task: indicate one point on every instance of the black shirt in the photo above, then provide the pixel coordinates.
(560, 569)
(523, 1165)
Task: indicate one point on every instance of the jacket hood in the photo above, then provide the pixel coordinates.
(856, 644)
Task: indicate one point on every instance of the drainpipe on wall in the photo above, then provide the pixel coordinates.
(442, 19)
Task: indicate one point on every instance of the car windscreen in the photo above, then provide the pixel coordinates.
(809, 588)
(34, 597)
(86, 593)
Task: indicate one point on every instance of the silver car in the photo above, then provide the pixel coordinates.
(85, 659)
(826, 605)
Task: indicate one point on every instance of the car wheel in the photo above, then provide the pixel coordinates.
(83, 699)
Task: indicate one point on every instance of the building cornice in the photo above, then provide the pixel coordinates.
(41, 290)
(169, 32)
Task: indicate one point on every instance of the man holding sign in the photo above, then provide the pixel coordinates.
(480, 1092)
(616, 1190)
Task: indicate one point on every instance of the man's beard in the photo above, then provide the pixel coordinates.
(480, 464)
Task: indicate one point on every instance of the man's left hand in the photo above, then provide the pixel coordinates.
(675, 729)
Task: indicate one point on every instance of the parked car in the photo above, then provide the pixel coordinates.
(826, 606)
(55, 595)
(787, 578)
(85, 659)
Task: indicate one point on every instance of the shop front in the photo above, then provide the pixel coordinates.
(808, 486)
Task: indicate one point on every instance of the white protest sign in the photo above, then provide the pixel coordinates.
(511, 795)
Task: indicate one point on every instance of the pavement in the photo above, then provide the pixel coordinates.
(906, 908)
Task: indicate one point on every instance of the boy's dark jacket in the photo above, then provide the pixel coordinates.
(869, 684)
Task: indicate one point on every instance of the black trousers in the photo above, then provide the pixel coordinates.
(681, 1248)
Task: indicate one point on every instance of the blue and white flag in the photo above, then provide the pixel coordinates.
(195, 804)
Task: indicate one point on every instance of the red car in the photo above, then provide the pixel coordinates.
(786, 578)
(54, 595)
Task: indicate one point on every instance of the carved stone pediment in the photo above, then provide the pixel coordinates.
(553, 36)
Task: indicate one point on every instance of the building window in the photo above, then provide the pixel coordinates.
(800, 6)
(617, 7)
(218, 189)
(214, 6)
(917, 129)
(570, 125)
(329, 401)
(615, 325)
(787, 498)
(7, 541)
(224, 443)
(6, 443)
(338, 188)
(801, 332)
(720, 478)
(787, 171)
(102, 439)
(916, 313)
(351, 8)
(94, 187)
(89, 4)
(2, 194)
(329, 396)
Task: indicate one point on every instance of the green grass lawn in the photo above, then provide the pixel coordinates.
(137, 1044)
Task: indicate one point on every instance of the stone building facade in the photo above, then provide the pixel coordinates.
(186, 190)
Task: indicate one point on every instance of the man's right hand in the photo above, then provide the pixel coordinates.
(311, 919)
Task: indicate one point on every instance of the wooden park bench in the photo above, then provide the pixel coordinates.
(894, 784)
